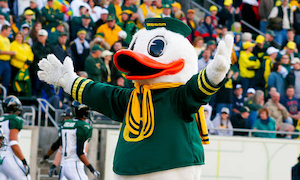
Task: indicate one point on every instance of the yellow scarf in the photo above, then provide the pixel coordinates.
(139, 118)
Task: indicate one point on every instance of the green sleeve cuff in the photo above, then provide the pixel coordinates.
(78, 88)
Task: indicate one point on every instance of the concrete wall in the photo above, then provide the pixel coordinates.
(232, 158)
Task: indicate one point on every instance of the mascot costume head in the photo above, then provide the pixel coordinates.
(163, 127)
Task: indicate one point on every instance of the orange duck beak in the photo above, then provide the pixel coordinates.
(139, 67)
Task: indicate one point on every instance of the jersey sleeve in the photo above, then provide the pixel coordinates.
(188, 99)
(16, 123)
(84, 132)
(104, 98)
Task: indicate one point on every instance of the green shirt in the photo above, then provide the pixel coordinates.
(95, 68)
(52, 17)
(175, 141)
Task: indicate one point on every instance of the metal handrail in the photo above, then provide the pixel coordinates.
(249, 131)
(4, 91)
(31, 114)
(219, 7)
(45, 107)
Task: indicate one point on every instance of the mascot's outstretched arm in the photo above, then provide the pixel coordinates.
(55, 73)
(218, 68)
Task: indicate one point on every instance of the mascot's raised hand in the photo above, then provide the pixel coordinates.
(55, 73)
(218, 68)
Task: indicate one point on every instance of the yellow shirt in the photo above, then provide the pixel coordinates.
(248, 63)
(110, 35)
(23, 53)
(4, 46)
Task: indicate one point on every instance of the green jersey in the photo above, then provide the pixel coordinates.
(8, 122)
(175, 141)
(71, 130)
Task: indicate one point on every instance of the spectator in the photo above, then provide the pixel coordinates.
(5, 56)
(205, 60)
(260, 49)
(127, 25)
(206, 30)
(293, 78)
(275, 78)
(218, 30)
(270, 42)
(23, 57)
(80, 50)
(53, 37)
(222, 121)
(248, 65)
(280, 114)
(290, 37)
(166, 11)
(95, 67)
(26, 33)
(35, 30)
(198, 45)
(33, 7)
(128, 5)
(226, 101)
(209, 123)
(267, 65)
(115, 9)
(265, 123)
(54, 95)
(291, 103)
(40, 49)
(110, 30)
(3, 21)
(290, 50)
(239, 120)
(213, 14)
(228, 14)
(191, 23)
(249, 13)
(100, 41)
(158, 8)
(285, 62)
(85, 24)
(145, 10)
(121, 37)
(250, 93)
(211, 45)
(53, 16)
(254, 103)
(77, 20)
(61, 51)
(238, 100)
(28, 14)
(95, 10)
(107, 57)
(284, 13)
(75, 6)
(102, 20)
(176, 8)
(265, 7)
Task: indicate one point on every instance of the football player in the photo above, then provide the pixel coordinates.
(13, 164)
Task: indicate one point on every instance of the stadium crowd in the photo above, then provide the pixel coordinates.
(261, 91)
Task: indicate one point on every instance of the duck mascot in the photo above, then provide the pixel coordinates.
(161, 135)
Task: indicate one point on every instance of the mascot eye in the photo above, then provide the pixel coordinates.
(156, 46)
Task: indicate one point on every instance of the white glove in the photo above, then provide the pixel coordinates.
(218, 68)
(55, 73)
(96, 174)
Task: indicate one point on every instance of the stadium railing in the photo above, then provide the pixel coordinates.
(45, 106)
(4, 91)
(249, 131)
(29, 114)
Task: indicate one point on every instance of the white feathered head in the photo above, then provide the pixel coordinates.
(159, 53)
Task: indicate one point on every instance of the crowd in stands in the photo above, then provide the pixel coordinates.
(262, 88)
